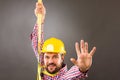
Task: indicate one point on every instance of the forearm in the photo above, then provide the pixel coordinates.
(34, 38)
(74, 73)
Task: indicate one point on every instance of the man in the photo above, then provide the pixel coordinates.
(54, 52)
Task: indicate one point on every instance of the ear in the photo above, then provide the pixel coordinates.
(62, 56)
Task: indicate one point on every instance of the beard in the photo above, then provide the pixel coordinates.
(54, 69)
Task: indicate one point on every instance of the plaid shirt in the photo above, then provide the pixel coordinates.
(64, 74)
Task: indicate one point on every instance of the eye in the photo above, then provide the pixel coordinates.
(46, 57)
(56, 56)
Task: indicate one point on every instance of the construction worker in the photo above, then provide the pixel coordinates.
(54, 52)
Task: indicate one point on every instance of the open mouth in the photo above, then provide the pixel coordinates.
(51, 66)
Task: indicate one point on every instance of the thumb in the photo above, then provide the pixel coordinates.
(73, 61)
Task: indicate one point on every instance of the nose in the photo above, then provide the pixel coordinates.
(51, 60)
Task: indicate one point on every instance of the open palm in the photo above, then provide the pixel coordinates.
(84, 58)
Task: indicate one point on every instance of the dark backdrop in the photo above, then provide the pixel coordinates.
(95, 21)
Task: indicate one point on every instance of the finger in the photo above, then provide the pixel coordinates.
(73, 61)
(77, 48)
(86, 47)
(36, 11)
(36, 3)
(82, 46)
(93, 51)
(39, 5)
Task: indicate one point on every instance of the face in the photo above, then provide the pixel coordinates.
(53, 62)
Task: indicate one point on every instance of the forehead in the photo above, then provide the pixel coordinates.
(51, 54)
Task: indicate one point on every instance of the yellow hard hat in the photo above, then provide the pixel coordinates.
(53, 45)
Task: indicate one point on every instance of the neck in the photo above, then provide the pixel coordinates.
(49, 74)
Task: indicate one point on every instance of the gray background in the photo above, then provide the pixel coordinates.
(95, 21)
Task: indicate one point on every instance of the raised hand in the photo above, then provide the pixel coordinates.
(84, 58)
(40, 9)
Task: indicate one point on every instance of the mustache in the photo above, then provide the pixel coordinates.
(51, 64)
